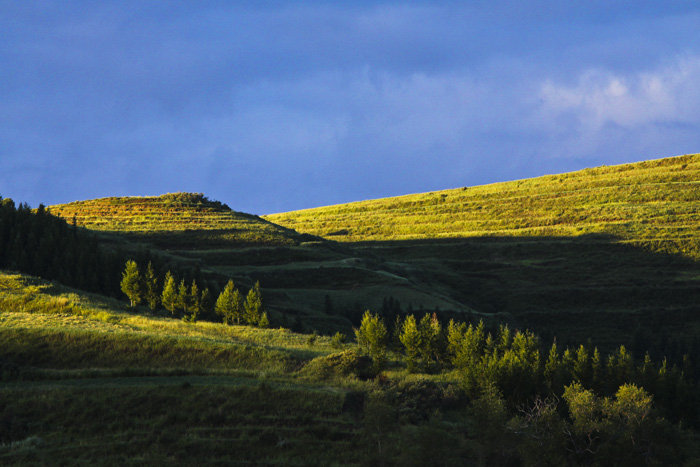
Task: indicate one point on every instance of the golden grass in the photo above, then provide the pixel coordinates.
(647, 202)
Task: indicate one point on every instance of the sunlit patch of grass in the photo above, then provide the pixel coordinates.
(654, 203)
(65, 329)
(183, 219)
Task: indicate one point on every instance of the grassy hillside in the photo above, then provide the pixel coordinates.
(85, 380)
(177, 220)
(655, 204)
(296, 271)
(610, 253)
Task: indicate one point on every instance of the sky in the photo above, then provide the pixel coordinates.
(277, 106)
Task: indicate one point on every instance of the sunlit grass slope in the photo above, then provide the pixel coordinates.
(655, 204)
(85, 380)
(176, 219)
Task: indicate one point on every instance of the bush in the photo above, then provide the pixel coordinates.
(347, 363)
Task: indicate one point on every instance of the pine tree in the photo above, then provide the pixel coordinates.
(264, 322)
(371, 338)
(183, 297)
(552, 369)
(193, 304)
(225, 303)
(237, 304)
(582, 367)
(412, 342)
(169, 297)
(206, 304)
(151, 287)
(131, 283)
(430, 331)
(253, 305)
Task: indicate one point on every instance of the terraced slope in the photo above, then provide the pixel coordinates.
(655, 204)
(176, 220)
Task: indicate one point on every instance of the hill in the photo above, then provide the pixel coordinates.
(654, 204)
(85, 380)
(301, 274)
(604, 253)
(176, 220)
(608, 254)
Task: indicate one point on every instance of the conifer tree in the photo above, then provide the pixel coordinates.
(430, 331)
(237, 304)
(225, 303)
(552, 369)
(253, 305)
(582, 367)
(206, 304)
(151, 287)
(131, 283)
(371, 338)
(411, 340)
(183, 297)
(193, 304)
(169, 297)
(264, 322)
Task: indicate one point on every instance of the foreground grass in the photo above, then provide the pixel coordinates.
(51, 326)
(85, 380)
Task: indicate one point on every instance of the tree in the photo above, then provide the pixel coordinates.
(183, 297)
(206, 303)
(431, 332)
(264, 322)
(371, 337)
(253, 305)
(193, 309)
(151, 287)
(131, 282)
(169, 297)
(412, 341)
(225, 303)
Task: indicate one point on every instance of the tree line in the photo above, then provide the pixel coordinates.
(188, 301)
(517, 364)
(38, 243)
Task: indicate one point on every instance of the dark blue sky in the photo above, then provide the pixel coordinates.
(275, 106)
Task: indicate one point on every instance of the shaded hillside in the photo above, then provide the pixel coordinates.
(654, 204)
(308, 283)
(86, 380)
(609, 253)
(176, 220)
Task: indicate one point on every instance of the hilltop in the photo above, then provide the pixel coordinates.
(176, 220)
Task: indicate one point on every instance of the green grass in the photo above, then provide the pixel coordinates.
(47, 325)
(85, 380)
(652, 204)
(179, 220)
(609, 253)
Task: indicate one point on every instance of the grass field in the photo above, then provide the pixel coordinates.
(653, 204)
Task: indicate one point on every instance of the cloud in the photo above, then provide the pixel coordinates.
(667, 95)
